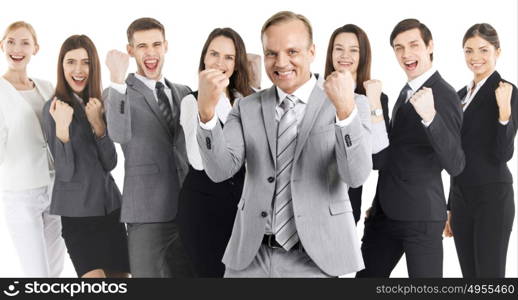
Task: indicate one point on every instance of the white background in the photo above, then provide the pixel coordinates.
(188, 23)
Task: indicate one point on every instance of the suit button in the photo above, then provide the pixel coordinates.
(264, 214)
(270, 179)
(348, 140)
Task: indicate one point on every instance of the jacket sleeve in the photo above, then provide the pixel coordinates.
(444, 131)
(223, 150)
(504, 144)
(353, 148)
(4, 133)
(107, 152)
(118, 115)
(62, 153)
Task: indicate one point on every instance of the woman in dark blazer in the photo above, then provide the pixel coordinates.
(206, 209)
(85, 194)
(481, 199)
(349, 49)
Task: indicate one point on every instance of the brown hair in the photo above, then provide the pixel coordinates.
(240, 79)
(409, 24)
(485, 31)
(143, 24)
(93, 86)
(364, 65)
(21, 24)
(285, 16)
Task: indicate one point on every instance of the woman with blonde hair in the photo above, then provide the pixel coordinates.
(26, 166)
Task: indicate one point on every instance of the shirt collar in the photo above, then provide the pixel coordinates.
(302, 93)
(150, 83)
(469, 86)
(416, 83)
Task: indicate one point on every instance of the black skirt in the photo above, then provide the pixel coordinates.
(206, 216)
(98, 242)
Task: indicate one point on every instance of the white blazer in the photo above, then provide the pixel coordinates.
(23, 150)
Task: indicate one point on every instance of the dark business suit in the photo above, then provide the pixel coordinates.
(355, 194)
(409, 208)
(481, 197)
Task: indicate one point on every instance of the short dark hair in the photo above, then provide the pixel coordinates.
(240, 79)
(485, 31)
(364, 65)
(285, 16)
(409, 24)
(144, 24)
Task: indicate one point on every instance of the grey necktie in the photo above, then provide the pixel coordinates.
(284, 223)
(164, 106)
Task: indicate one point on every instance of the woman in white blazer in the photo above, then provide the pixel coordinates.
(26, 168)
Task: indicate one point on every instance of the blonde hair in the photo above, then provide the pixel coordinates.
(21, 24)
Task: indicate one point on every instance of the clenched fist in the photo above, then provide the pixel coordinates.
(423, 104)
(117, 62)
(503, 95)
(339, 87)
(94, 113)
(212, 83)
(373, 92)
(62, 114)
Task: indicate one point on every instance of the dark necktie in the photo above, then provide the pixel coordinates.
(164, 106)
(403, 96)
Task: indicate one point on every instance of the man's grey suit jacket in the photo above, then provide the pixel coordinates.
(155, 162)
(328, 159)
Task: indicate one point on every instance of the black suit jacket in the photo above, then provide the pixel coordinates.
(409, 184)
(488, 145)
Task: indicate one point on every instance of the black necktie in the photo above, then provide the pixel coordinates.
(165, 107)
(403, 95)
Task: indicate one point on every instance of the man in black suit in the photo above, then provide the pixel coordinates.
(409, 210)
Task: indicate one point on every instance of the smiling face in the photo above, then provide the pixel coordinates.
(76, 68)
(480, 56)
(18, 47)
(221, 55)
(346, 53)
(412, 53)
(148, 47)
(288, 54)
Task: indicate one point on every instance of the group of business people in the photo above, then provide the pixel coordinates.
(234, 181)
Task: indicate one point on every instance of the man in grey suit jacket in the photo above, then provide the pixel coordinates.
(143, 116)
(294, 223)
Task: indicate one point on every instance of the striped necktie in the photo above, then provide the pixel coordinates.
(164, 106)
(284, 222)
(403, 97)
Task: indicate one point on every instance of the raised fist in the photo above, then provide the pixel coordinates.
(117, 62)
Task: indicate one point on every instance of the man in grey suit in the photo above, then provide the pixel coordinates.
(143, 116)
(303, 145)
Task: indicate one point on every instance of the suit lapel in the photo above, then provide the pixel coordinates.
(315, 102)
(268, 103)
(140, 87)
(483, 93)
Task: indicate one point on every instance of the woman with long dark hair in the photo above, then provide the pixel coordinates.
(481, 202)
(206, 209)
(349, 50)
(85, 194)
